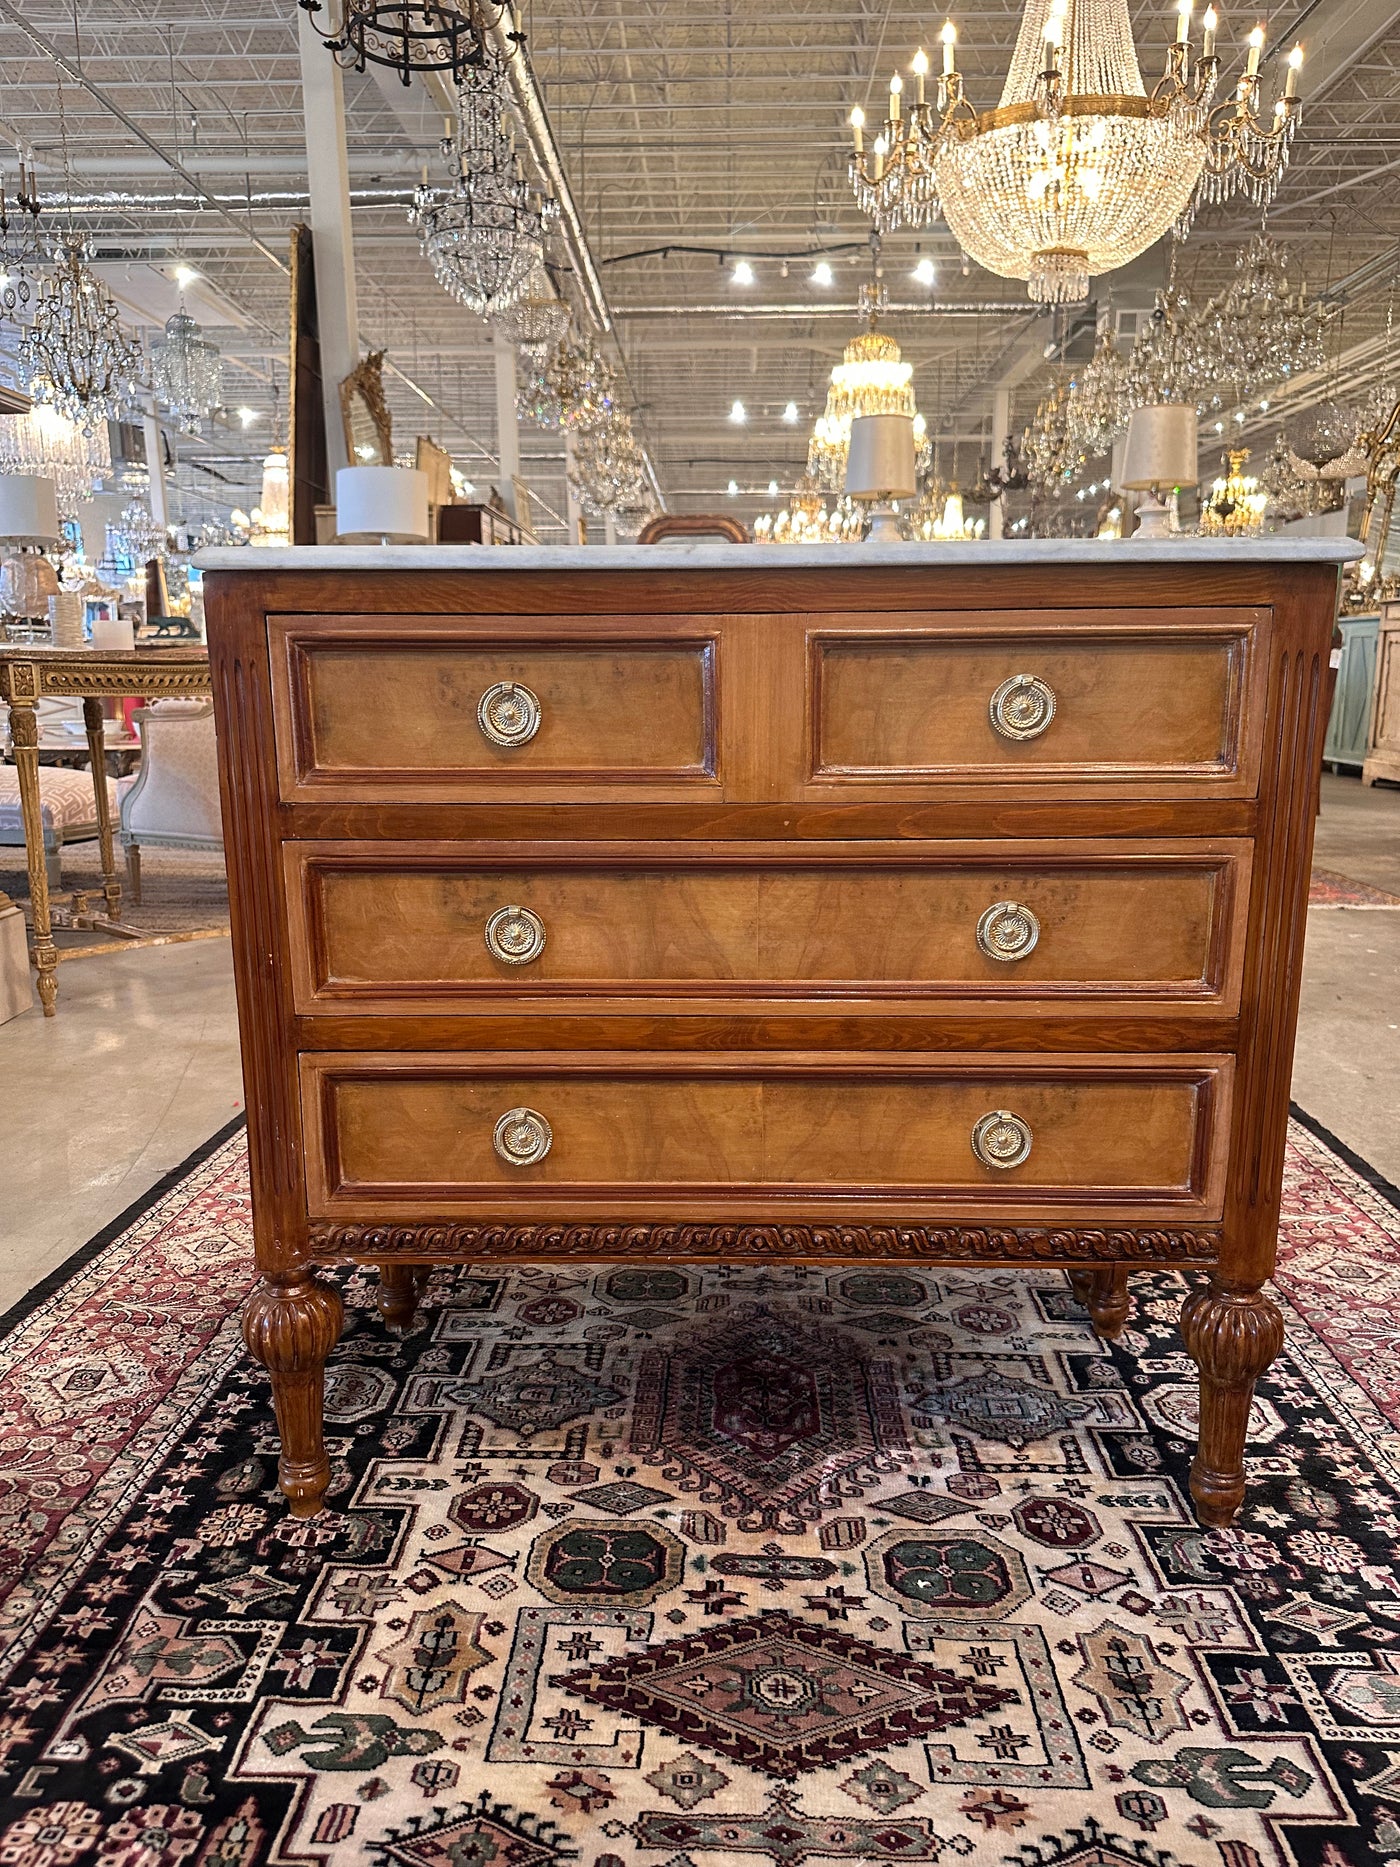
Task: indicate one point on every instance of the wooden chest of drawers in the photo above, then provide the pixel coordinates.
(941, 903)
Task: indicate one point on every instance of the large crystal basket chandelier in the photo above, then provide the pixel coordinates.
(484, 234)
(1079, 169)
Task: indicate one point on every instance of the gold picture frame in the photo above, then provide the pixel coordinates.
(365, 414)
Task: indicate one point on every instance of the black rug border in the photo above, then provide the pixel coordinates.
(1373, 1177)
(24, 1307)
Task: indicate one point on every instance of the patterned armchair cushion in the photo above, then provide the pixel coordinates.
(176, 794)
(65, 802)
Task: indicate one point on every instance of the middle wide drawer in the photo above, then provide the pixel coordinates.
(384, 927)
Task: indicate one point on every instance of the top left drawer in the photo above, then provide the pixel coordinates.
(420, 709)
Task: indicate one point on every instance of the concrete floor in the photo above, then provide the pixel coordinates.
(141, 1064)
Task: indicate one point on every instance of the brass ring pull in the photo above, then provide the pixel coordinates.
(1023, 707)
(522, 1137)
(1001, 1139)
(515, 935)
(508, 714)
(1007, 931)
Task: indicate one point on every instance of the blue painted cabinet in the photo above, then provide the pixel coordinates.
(1351, 705)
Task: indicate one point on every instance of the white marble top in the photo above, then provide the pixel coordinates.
(716, 554)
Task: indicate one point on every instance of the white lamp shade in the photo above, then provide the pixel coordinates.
(382, 502)
(1160, 449)
(28, 509)
(880, 463)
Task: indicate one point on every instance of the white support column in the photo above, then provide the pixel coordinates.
(507, 421)
(572, 509)
(609, 530)
(1001, 423)
(327, 172)
(155, 463)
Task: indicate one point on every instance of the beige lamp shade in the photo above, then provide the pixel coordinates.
(374, 503)
(1160, 449)
(28, 509)
(880, 463)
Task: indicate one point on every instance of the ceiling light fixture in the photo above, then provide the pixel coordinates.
(737, 411)
(792, 415)
(822, 274)
(742, 273)
(923, 272)
(733, 488)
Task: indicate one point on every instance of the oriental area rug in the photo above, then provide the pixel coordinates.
(658, 1567)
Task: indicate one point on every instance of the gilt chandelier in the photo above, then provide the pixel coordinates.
(1079, 169)
(872, 378)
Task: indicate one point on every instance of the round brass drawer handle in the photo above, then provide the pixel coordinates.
(1023, 707)
(515, 935)
(1001, 1139)
(508, 714)
(1007, 931)
(522, 1137)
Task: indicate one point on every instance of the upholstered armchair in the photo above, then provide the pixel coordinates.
(174, 802)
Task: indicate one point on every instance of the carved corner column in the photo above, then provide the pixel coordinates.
(1232, 1335)
(400, 1286)
(1104, 1293)
(291, 1327)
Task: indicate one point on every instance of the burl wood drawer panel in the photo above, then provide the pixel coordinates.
(1120, 700)
(424, 709)
(388, 1133)
(379, 927)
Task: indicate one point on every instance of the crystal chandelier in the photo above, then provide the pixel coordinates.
(429, 35)
(272, 523)
(537, 321)
(806, 519)
(74, 355)
(484, 233)
(187, 372)
(1259, 331)
(608, 471)
(1079, 169)
(1237, 502)
(44, 442)
(20, 252)
(1051, 454)
(142, 537)
(872, 378)
(1097, 399)
(582, 382)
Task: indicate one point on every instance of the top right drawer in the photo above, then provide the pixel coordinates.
(1167, 702)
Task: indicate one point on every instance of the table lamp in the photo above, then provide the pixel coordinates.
(381, 505)
(1160, 452)
(28, 522)
(880, 468)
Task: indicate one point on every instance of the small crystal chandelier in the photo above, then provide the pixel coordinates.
(1079, 169)
(608, 471)
(1097, 399)
(1259, 331)
(582, 383)
(872, 378)
(74, 355)
(1237, 502)
(136, 534)
(807, 520)
(1051, 453)
(429, 35)
(484, 233)
(537, 321)
(187, 371)
(45, 442)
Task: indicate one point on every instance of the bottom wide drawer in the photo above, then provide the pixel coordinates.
(651, 1134)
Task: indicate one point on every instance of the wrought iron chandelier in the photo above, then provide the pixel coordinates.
(74, 354)
(484, 233)
(1079, 169)
(187, 371)
(45, 442)
(430, 35)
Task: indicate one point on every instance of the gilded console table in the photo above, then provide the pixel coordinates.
(29, 674)
(936, 903)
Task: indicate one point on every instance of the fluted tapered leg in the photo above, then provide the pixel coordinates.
(400, 1286)
(1232, 1334)
(1104, 1293)
(291, 1327)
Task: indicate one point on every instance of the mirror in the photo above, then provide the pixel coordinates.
(368, 434)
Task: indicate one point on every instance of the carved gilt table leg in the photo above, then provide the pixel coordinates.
(400, 1286)
(24, 736)
(1104, 1293)
(291, 1327)
(97, 748)
(1232, 1333)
